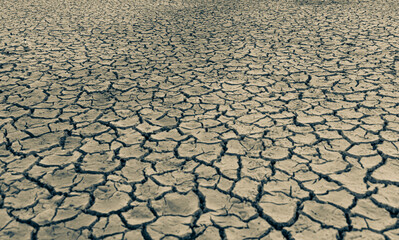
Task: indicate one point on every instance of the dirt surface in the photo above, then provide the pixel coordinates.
(206, 119)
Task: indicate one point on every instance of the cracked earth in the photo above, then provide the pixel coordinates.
(199, 119)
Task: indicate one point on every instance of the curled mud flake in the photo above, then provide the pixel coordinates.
(109, 199)
(388, 171)
(140, 214)
(208, 232)
(362, 150)
(390, 149)
(127, 122)
(16, 230)
(388, 195)
(38, 144)
(341, 198)
(275, 153)
(149, 190)
(108, 226)
(170, 225)
(367, 215)
(394, 233)
(60, 159)
(60, 231)
(99, 162)
(325, 213)
(23, 194)
(364, 234)
(304, 228)
(177, 204)
(278, 206)
(255, 229)
(311, 119)
(246, 188)
(134, 151)
(134, 234)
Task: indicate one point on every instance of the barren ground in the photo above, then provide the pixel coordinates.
(183, 119)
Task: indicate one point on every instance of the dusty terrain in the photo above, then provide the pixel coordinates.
(183, 119)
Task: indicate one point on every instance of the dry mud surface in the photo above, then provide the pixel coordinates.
(199, 119)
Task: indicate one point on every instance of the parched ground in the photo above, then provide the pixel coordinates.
(207, 119)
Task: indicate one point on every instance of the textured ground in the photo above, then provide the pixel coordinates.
(199, 119)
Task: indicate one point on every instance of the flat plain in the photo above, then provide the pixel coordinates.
(208, 119)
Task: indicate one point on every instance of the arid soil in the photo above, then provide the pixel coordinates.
(207, 119)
